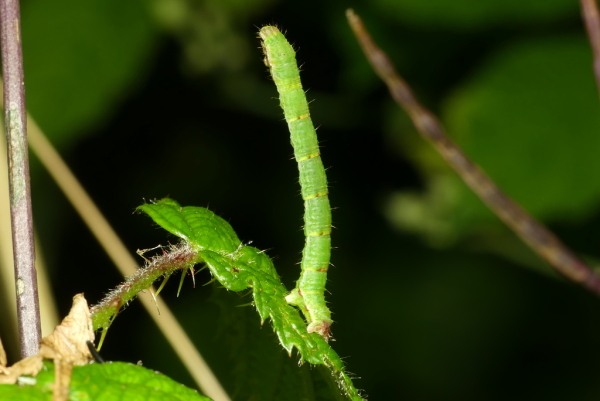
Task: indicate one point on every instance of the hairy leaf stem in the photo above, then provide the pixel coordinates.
(180, 256)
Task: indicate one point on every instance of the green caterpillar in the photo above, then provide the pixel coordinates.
(309, 292)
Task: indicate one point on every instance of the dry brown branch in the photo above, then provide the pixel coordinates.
(591, 17)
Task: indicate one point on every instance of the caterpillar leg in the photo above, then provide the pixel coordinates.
(321, 326)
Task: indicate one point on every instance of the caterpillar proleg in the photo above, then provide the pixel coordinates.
(309, 292)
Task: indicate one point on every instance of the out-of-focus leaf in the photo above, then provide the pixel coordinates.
(80, 59)
(212, 34)
(109, 381)
(530, 119)
(469, 14)
(14, 392)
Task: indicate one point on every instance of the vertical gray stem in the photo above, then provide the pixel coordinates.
(20, 194)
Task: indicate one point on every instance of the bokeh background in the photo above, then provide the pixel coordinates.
(433, 298)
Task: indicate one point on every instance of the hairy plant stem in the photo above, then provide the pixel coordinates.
(180, 256)
(15, 117)
(535, 234)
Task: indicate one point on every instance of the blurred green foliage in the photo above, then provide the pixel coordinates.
(535, 102)
(81, 58)
(474, 14)
(429, 296)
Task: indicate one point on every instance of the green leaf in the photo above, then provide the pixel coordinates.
(238, 267)
(203, 229)
(107, 382)
(14, 392)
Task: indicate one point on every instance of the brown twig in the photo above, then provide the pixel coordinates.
(539, 238)
(20, 194)
(591, 17)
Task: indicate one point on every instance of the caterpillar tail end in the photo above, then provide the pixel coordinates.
(323, 328)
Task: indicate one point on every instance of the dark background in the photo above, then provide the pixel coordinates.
(433, 299)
